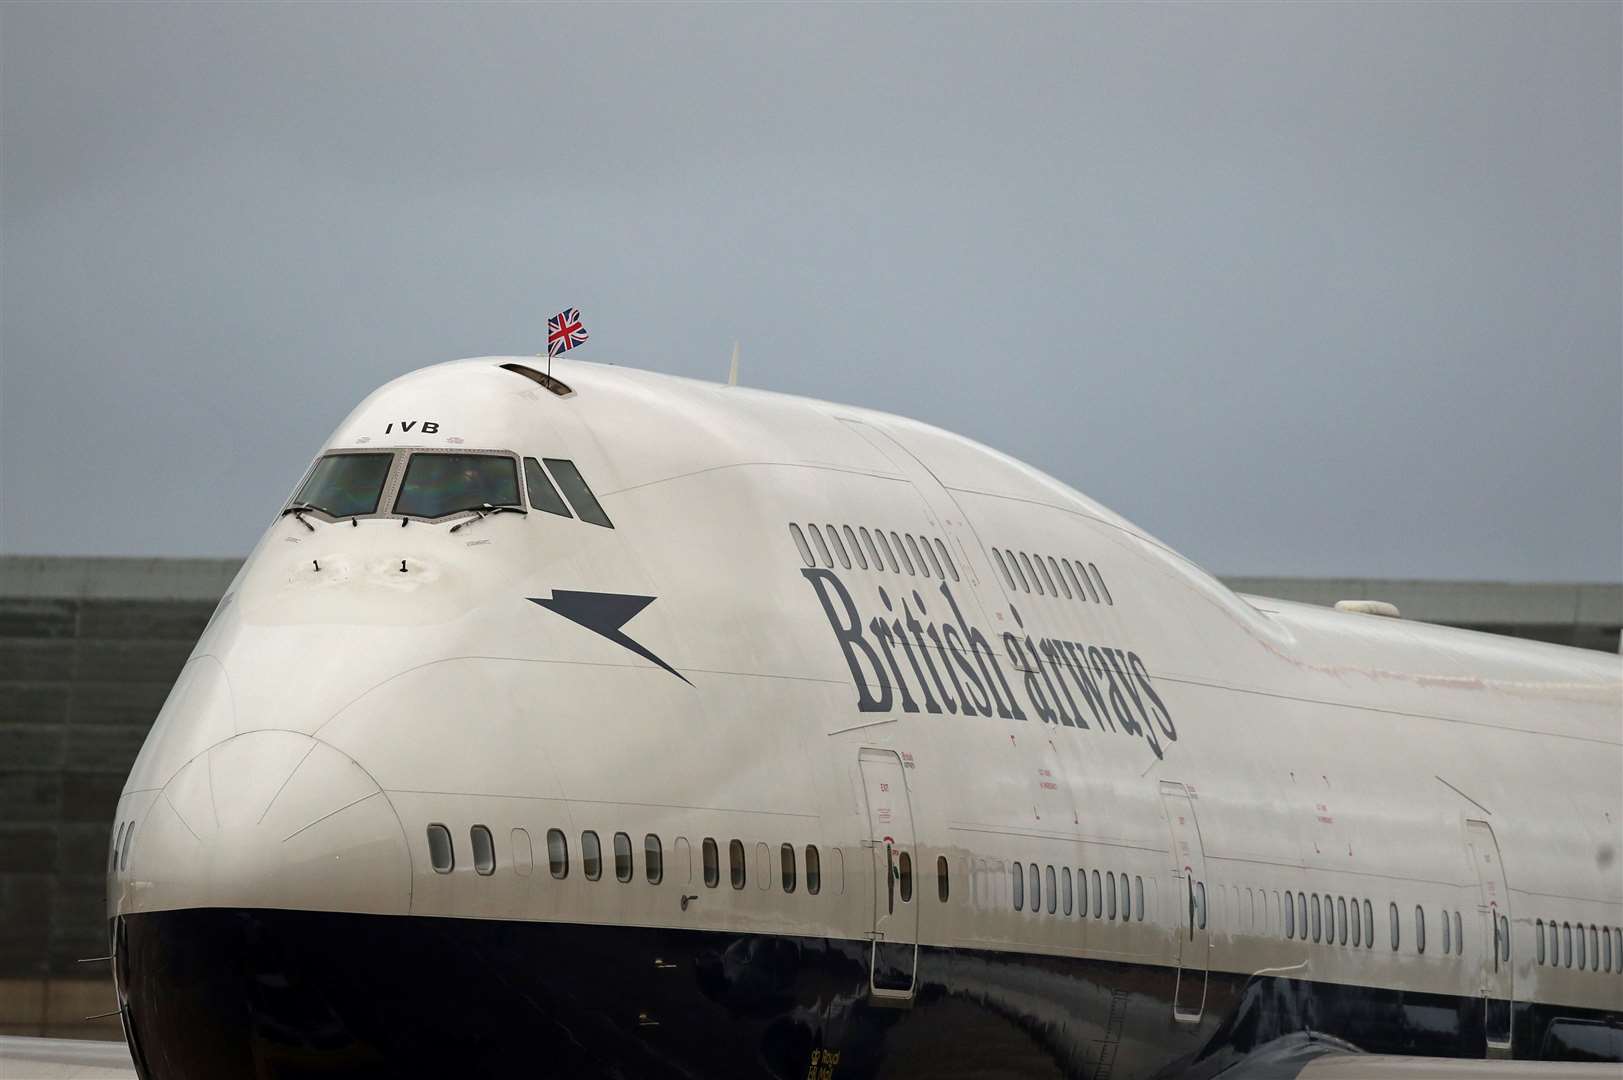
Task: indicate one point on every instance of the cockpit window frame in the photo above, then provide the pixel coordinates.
(403, 456)
(396, 477)
(391, 483)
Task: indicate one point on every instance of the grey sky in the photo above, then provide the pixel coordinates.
(1312, 289)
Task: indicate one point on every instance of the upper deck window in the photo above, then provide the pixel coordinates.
(439, 484)
(344, 485)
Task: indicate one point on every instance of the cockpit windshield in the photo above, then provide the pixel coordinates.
(440, 484)
(343, 485)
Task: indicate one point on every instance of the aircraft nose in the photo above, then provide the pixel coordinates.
(274, 819)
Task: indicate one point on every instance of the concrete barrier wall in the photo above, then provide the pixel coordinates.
(84, 668)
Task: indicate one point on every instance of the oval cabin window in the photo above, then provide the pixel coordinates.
(484, 851)
(440, 854)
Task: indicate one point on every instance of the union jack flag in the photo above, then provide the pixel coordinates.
(564, 331)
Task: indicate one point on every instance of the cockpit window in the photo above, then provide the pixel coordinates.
(343, 485)
(543, 496)
(439, 484)
(579, 495)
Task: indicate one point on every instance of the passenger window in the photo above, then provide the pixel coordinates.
(919, 560)
(873, 552)
(440, 854)
(786, 857)
(890, 556)
(1042, 569)
(523, 854)
(1126, 900)
(1301, 913)
(1341, 920)
(591, 856)
(946, 559)
(557, 853)
(1290, 917)
(1025, 564)
(712, 864)
(1395, 927)
(1110, 891)
(1200, 904)
(1070, 575)
(1555, 946)
(935, 562)
(1081, 893)
(1065, 884)
(822, 548)
(1538, 933)
(735, 862)
(1318, 923)
(1019, 572)
(439, 484)
(838, 545)
(1419, 930)
(1369, 926)
(904, 863)
(1082, 572)
(1566, 944)
(543, 496)
(901, 549)
(345, 485)
(1035, 882)
(1019, 887)
(1580, 949)
(1594, 945)
(1138, 898)
(814, 870)
(1459, 938)
(1098, 897)
(575, 490)
(1100, 581)
(1607, 938)
(801, 545)
(653, 859)
(1050, 882)
(1059, 577)
(1448, 941)
(941, 878)
(1357, 927)
(484, 851)
(1003, 566)
(623, 868)
(856, 548)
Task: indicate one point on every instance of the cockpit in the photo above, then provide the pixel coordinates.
(439, 485)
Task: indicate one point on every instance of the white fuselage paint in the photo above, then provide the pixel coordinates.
(329, 715)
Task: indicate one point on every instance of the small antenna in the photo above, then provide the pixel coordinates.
(732, 372)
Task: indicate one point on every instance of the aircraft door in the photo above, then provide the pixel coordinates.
(938, 501)
(1493, 916)
(893, 958)
(1189, 885)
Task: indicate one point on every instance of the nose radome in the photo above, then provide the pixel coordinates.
(271, 819)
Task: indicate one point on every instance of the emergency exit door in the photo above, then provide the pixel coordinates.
(1493, 917)
(893, 958)
(1189, 901)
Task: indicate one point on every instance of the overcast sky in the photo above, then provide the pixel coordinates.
(1302, 290)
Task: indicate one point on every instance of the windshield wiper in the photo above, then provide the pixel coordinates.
(486, 510)
(298, 511)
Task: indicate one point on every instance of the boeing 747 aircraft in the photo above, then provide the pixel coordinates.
(608, 724)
